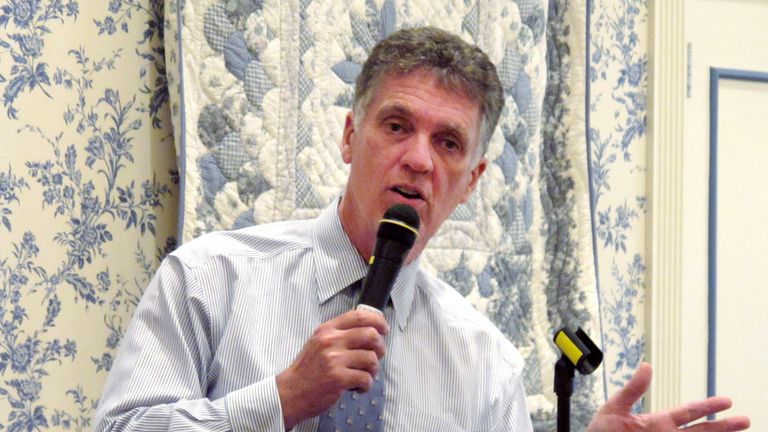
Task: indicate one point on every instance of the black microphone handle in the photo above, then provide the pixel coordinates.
(388, 258)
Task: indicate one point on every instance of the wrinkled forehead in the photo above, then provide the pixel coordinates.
(445, 81)
(395, 89)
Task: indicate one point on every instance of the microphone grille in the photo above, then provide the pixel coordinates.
(400, 223)
(403, 213)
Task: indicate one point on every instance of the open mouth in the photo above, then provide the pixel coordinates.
(407, 193)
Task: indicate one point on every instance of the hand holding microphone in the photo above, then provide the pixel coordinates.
(344, 353)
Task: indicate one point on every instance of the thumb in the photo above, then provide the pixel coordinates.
(623, 401)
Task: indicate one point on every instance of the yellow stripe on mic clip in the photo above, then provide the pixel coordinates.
(568, 347)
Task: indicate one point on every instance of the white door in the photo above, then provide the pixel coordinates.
(725, 206)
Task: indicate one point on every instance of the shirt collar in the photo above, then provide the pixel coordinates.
(338, 265)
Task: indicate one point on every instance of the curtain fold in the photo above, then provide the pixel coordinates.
(566, 234)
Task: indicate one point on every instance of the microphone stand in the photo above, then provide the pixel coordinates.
(578, 353)
(564, 373)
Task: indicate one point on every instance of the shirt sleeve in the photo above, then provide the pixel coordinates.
(513, 414)
(510, 410)
(159, 378)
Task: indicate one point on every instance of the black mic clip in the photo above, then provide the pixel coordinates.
(579, 353)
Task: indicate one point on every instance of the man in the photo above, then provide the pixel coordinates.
(252, 329)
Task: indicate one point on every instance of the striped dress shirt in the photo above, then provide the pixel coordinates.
(227, 312)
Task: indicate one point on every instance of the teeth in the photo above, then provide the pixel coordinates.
(408, 192)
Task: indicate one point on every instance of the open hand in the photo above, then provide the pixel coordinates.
(341, 354)
(616, 415)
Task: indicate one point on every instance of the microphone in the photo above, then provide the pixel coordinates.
(397, 232)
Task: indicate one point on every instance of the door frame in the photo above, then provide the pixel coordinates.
(715, 75)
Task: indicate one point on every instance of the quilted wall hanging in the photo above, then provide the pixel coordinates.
(260, 90)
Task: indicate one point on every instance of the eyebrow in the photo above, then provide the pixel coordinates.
(396, 108)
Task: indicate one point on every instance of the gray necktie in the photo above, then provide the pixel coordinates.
(356, 411)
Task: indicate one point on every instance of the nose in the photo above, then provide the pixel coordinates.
(418, 154)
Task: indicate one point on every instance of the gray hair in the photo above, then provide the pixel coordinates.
(458, 65)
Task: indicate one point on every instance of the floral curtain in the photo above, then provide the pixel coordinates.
(88, 196)
(617, 86)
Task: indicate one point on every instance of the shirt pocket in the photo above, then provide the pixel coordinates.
(411, 419)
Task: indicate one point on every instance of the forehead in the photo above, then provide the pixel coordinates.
(423, 92)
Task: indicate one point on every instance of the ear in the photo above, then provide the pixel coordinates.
(477, 171)
(346, 138)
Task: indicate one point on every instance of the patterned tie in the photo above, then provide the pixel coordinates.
(356, 411)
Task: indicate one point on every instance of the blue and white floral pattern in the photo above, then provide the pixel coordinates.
(83, 126)
(25, 26)
(618, 71)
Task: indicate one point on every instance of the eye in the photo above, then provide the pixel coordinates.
(394, 126)
(450, 144)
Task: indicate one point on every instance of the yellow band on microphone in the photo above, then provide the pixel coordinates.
(402, 224)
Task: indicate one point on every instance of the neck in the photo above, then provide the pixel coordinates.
(363, 238)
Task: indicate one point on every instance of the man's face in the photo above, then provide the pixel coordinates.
(417, 144)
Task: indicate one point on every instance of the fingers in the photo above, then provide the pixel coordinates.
(352, 341)
(361, 318)
(623, 401)
(360, 369)
(695, 410)
(731, 424)
(365, 339)
(359, 360)
(616, 414)
(354, 330)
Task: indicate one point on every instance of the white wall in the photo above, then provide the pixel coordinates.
(726, 34)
